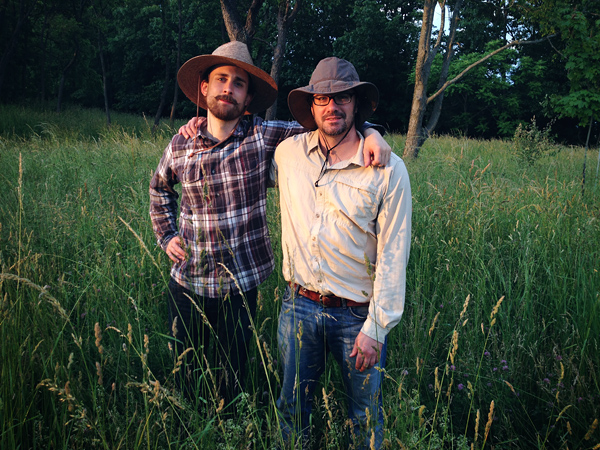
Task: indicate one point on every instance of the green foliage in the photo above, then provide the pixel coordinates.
(577, 27)
(38, 42)
(484, 228)
(530, 143)
(488, 91)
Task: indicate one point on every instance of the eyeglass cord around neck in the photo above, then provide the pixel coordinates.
(329, 150)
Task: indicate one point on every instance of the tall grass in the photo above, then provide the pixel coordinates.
(488, 228)
(498, 346)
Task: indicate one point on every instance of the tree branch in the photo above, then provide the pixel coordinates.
(251, 17)
(485, 58)
(290, 16)
(232, 21)
(438, 41)
(555, 49)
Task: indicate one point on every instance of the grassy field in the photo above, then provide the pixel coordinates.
(498, 346)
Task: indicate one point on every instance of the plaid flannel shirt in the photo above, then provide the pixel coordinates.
(222, 218)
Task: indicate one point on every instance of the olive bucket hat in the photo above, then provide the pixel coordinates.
(332, 76)
(233, 53)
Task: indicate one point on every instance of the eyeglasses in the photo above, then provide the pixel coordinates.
(340, 99)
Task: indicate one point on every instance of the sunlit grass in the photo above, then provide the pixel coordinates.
(498, 345)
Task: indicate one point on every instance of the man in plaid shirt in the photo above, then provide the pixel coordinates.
(219, 244)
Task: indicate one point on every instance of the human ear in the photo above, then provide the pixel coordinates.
(204, 87)
(249, 98)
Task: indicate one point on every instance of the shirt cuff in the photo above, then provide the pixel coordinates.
(375, 331)
(164, 242)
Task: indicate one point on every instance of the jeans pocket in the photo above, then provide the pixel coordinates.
(360, 312)
(287, 295)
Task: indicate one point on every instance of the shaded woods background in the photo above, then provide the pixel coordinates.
(55, 52)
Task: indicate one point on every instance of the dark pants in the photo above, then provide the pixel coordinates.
(217, 330)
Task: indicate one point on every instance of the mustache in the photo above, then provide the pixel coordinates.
(227, 98)
(339, 115)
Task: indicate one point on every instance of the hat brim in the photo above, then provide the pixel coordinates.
(192, 72)
(300, 100)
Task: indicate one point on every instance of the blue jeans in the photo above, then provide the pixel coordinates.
(307, 332)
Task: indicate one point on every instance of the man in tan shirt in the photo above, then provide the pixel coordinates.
(346, 239)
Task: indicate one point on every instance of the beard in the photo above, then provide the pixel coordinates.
(335, 129)
(225, 112)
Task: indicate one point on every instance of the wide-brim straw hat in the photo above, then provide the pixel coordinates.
(332, 76)
(233, 53)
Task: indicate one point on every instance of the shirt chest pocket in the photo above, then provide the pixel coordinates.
(242, 164)
(192, 172)
(356, 202)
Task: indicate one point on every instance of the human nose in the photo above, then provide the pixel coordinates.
(228, 87)
(332, 105)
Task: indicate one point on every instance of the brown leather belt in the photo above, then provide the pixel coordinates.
(328, 301)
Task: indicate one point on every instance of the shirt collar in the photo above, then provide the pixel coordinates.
(358, 159)
(240, 129)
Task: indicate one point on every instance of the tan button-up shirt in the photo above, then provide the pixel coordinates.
(350, 236)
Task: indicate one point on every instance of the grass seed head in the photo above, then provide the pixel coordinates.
(477, 418)
(454, 346)
(98, 335)
(433, 323)
(495, 311)
(421, 418)
(488, 425)
(174, 326)
(593, 427)
(99, 373)
(465, 305)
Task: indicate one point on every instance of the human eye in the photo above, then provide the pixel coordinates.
(344, 98)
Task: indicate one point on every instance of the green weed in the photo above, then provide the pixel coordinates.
(85, 359)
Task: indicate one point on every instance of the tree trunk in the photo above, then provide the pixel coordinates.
(437, 106)
(285, 17)
(587, 145)
(43, 43)
(104, 78)
(165, 89)
(414, 135)
(163, 96)
(233, 22)
(61, 86)
(177, 65)
(598, 164)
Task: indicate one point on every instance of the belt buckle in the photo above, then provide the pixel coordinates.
(323, 300)
(328, 301)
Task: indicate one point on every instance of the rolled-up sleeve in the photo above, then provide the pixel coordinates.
(163, 199)
(393, 228)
